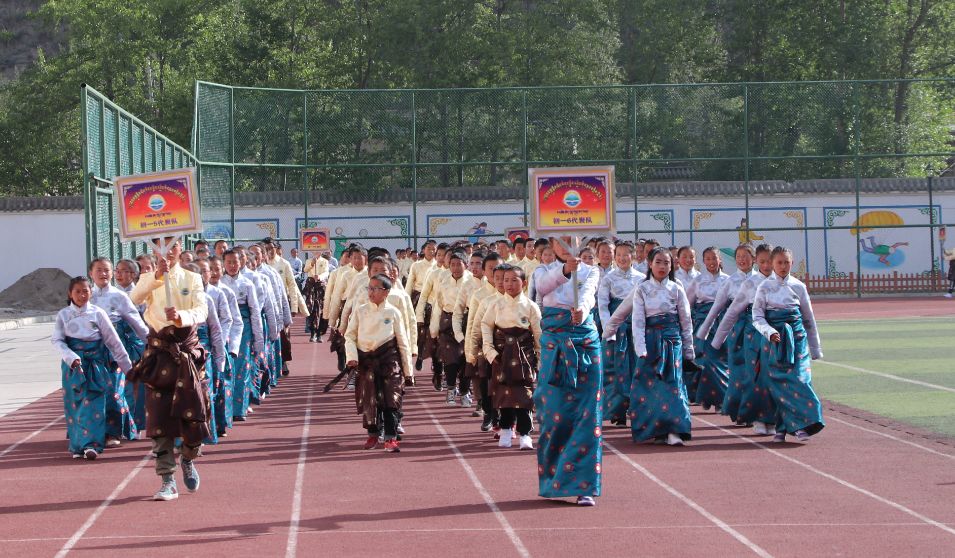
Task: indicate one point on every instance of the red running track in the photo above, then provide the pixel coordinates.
(293, 480)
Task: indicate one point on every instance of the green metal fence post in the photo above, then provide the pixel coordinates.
(414, 168)
(87, 183)
(305, 182)
(633, 159)
(524, 154)
(746, 157)
(858, 182)
(232, 162)
(936, 267)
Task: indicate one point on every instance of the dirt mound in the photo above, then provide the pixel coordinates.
(43, 289)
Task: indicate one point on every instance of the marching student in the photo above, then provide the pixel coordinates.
(268, 367)
(547, 259)
(126, 275)
(567, 398)
(620, 361)
(316, 279)
(686, 270)
(357, 258)
(782, 313)
(424, 311)
(377, 344)
(211, 338)
(749, 399)
(333, 276)
(662, 334)
(459, 323)
(132, 331)
(511, 333)
(232, 328)
(448, 350)
(709, 385)
(417, 275)
(253, 332)
(473, 344)
(176, 402)
(640, 256)
(719, 312)
(88, 345)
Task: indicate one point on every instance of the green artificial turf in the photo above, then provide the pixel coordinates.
(916, 349)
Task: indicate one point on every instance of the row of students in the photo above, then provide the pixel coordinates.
(241, 307)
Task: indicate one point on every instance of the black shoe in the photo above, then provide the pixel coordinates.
(417, 365)
(238, 419)
(486, 423)
(436, 382)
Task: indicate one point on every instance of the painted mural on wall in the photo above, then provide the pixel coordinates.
(473, 226)
(735, 230)
(881, 250)
(367, 229)
(253, 228)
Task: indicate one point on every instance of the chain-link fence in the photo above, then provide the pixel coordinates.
(854, 176)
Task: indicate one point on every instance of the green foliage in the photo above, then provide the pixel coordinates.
(146, 56)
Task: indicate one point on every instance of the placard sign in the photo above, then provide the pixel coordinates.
(514, 233)
(572, 200)
(158, 204)
(314, 240)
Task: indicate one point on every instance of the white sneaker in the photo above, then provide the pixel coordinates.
(505, 441)
(450, 399)
(527, 443)
(947, 295)
(586, 501)
(674, 440)
(400, 429)
(759, 428)
(466, 400)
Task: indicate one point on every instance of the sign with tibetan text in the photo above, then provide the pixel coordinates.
(158, 204)
(314, 240)
(572, 199)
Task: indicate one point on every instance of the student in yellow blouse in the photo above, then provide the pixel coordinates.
(169, 377)
(377, 344)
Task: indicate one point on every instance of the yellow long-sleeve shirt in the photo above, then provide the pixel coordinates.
(187, 296)
(373, 325)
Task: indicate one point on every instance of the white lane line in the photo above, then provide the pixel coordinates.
(891, 437)
(505, 524)
(68, 546)
(889, 376)
(292, 545)
(31, 436)
(485, 530)
(837, 480)
(759, 551)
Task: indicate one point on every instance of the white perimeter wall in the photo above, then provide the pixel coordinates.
(56, 239)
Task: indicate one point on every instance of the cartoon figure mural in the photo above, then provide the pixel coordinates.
(477, 231)
(878, 252)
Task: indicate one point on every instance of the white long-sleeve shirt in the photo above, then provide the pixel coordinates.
(216, 339)
(224, 312)
(724, 297)
(618, 284)
(781, 293)
(558, 290)
(744, 297)
(246, 294)
(686, 277)
(266, 298)
(117, 305)
(87, 323)
(234, 336)
(704, 287)
(653, 298)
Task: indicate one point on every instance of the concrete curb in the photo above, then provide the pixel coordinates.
(21, 322)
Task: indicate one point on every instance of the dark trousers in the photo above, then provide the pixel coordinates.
(286, 345)
(486, 405)
(455, 377)
(951, 286)
(390, 419)
(522, 416)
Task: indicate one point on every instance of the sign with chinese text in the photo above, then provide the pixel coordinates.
(314, 240)
(572, 199)
(158, 204)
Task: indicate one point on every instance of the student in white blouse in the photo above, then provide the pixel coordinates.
(686, 269)
(782, 313)
(663, 341)
(708, 387)
(88, 345)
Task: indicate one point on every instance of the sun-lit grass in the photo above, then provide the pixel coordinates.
(917, 349)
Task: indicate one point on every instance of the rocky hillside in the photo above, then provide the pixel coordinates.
(21, 35)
